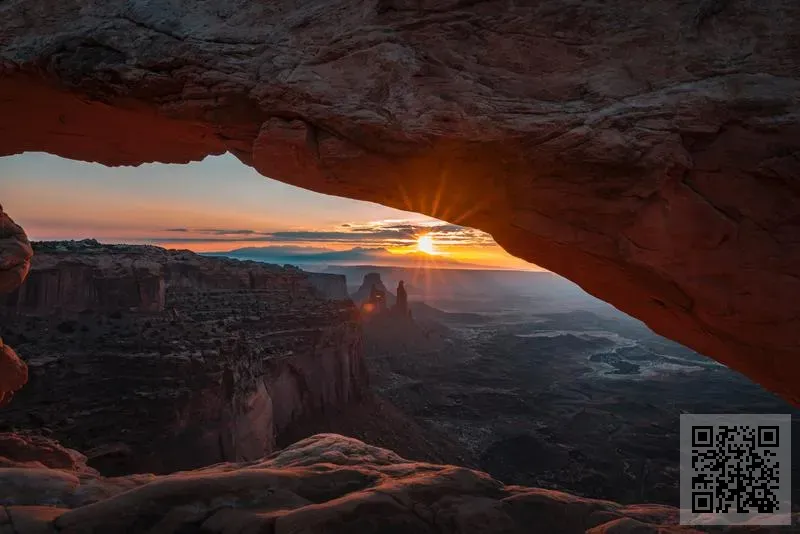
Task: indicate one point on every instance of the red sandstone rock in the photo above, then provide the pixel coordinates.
(31, 451)
(325, 483)
(13, 373)
(648, 154)
(15, 253)
(15, 259)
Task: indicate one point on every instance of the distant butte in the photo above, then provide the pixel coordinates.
(649, 154)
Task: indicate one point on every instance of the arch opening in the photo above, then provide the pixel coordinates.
(649, 241)
(656, 172)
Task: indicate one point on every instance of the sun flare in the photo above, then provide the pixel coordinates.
(425, 244)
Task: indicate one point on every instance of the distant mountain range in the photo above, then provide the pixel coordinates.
(318, 257)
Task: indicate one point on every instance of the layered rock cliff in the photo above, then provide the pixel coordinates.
(169, 360)
(332, 286)
(647, 153)
(75, 277)
(326, 483)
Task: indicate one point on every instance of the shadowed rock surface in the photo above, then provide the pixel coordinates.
(362, 294)
(647, 153)
(15, 260)
(570, 401)
(13, 373)
(332, 286)
(156, 360)
(15, 253)
(326, 483)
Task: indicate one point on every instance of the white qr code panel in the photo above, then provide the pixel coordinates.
(736, 469)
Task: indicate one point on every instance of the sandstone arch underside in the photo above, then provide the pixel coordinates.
(649, 152)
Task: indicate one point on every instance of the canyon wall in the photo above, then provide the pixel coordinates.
(332, 286)
(66, 281)
(648, 153)
(84, 276)
(212, 367)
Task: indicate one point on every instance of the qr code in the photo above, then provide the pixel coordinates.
(735, 469)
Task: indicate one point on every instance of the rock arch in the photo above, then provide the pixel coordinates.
(650, 154)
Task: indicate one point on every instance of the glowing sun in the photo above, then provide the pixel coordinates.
(425, 244)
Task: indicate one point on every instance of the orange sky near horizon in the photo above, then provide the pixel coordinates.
(218, 205)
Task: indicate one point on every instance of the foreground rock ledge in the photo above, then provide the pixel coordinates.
(325, 483)
(649, 154)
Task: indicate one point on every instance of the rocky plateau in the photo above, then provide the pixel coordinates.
(155, 360)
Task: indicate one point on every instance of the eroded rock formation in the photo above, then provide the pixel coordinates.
(82, 276)
(370, 284)
(169, 360)
(649, 154)
(401, 307)
(326, 483)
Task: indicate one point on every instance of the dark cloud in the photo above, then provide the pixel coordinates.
(384, 233)
(216, 231)
(450, 229)
(344, 237)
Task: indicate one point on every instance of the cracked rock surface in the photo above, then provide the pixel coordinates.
(648, 153)
(325, 483)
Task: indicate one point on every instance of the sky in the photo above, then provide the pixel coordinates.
(220, 204)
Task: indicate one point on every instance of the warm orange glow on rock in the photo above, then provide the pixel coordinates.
(624, 160)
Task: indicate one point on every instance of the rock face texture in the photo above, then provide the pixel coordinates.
(82, 276)
(649, 154)
(15, 258)
(326, 483)
(171, 360)
(15, 254)
(13, 373)
(332, 286)
(371, 280)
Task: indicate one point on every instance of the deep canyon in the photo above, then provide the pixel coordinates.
(186, 381)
